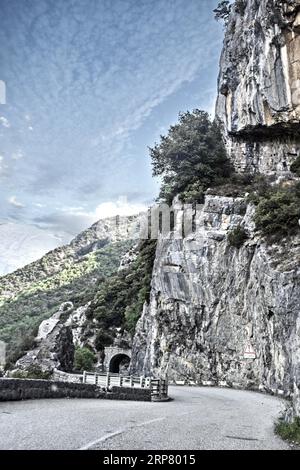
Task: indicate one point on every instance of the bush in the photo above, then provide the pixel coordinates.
(102, 340)
(289, 431)
(278, 211)
(33, 372)
(237, 185)
(84, 359)
(237, 237)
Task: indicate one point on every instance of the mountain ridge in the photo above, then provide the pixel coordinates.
(73, 271)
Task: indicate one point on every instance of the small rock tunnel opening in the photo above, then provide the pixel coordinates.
(119, 364)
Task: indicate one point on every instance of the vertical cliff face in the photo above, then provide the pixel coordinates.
(222, 315)
(219, 314)
(259, 85)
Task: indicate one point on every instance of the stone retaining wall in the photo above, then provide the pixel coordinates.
(24, 389)
(126, 393)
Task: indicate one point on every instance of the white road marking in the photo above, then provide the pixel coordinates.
(117, 433)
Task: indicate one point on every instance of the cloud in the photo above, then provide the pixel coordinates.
(72, 220)
(92, 83)
(121, 207)
(108, 209)
(4, 121)
(17, 155)
(3, 166)
(14, 202)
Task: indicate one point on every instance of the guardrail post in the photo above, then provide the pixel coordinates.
(84, 377)
(141, 381)
(121, 380)
(96, 379)
(131, 381)
(107, 380)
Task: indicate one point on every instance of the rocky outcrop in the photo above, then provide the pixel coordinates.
(222, 315)
(54, 346)
(259, 85)
(65, 330)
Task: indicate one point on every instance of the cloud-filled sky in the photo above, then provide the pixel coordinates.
(89, 85)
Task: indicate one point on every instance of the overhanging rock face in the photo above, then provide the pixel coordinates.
(259, 85)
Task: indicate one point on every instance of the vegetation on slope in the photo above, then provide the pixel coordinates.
(278, 211)
(191, 159)
(120, 298)
(21, 314)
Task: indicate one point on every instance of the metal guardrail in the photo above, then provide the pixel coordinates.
(158, 387)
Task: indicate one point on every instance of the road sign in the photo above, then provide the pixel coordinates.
(249, 352)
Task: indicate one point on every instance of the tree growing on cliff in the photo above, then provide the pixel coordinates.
(222, 11)
(190, 158)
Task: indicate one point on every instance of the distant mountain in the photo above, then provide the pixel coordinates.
(69, 273)
(21, 244)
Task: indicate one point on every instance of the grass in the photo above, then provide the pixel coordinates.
(289, 431)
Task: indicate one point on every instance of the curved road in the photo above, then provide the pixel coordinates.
(198, 418)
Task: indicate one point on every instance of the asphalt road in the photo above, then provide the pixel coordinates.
(197, 418)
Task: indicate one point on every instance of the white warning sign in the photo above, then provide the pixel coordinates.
(249, 352)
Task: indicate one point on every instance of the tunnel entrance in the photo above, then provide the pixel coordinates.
(119, 364)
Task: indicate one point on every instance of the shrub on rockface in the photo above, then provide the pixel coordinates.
(84, 359)
(278, 211)
(190, 158)
(237, 237)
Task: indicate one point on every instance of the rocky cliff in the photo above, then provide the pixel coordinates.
(220, 314)
(259, 85)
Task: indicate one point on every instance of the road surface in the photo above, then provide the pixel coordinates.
(197, 418)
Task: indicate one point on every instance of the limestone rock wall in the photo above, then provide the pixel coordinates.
(259, 85)
(213, 305)
(54, 344)
(218, 314)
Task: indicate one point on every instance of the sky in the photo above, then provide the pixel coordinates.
(90, 84)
